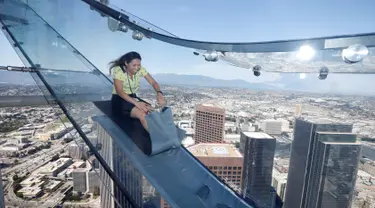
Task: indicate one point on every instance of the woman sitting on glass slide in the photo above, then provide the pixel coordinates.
(126, 72)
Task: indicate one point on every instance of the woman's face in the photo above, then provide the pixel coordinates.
(133, 66)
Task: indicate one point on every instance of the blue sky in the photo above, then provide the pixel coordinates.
(242, 21)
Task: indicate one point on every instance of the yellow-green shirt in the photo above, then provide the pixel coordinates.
(134, 83)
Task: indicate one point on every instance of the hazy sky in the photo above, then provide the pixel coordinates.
(239, 21)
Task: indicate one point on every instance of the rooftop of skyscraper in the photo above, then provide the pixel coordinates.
(80, 170)
(210, 107)
(317, 120)
(214, 150)
(257, 135)
(336, 133)
(344, 143)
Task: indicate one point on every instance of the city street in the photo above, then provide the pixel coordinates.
(34, 163)
(28, 166)
(56, 196)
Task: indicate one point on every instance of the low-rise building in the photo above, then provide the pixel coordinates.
(55, 167)
(52, 185)
(31, 192)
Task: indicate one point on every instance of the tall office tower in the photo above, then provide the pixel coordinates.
(124, 170)
(209, 124)
(80, 180)
(258, 156)
(2, 201)
(76, 150)
(302, 153)
(333, 171)
(298, 110)
(224, 160)
(93, 181)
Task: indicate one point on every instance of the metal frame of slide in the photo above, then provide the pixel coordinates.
(332, 42)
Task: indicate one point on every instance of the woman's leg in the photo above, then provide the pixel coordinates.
(136, 113)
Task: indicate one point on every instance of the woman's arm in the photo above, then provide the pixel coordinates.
(159, 95)
(153, 83)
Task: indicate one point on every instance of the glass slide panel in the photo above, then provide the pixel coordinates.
(19, 89)
(298, 95)
(110, 45)
(332, 98)
(68, 15)
(73, 81)
(46, 137)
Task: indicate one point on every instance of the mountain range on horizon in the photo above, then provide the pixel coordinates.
(287, 82)
(162, 78)
(205, 81)
(334, 84)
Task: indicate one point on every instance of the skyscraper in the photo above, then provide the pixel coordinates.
(224, 160)
(298, 110)
(80, 180)
(258, 154)
(93, 181)
(76, 150)
(209, 124)
(333, 171)
(124, 170)
(303, 149)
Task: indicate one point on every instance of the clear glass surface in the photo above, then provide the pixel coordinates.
(76, 83)
(45, 134)
(141, 22)
(71, 18)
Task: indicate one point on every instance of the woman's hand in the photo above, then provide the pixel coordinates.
(143, 107)
(160, 99)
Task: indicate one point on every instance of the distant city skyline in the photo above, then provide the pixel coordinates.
(259, 106)
(287, 83)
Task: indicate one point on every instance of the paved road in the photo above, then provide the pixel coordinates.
(34, 163)
(51, 201)
(56, 197)
(11, 200)
(28, 166)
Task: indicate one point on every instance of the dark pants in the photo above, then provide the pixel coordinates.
(123, 107)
